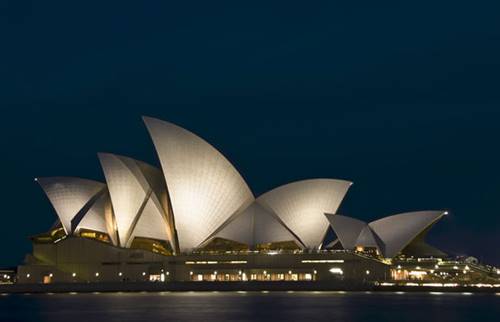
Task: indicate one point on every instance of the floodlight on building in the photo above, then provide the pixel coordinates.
(97, 274)
(120, 274)
(367, 272)
(418, 274)
(336, 270)
(143, 273)
(51, 275)
(74, 274)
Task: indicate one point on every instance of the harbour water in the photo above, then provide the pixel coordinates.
(250, 306)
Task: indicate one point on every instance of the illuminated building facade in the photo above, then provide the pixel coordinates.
(196, 219)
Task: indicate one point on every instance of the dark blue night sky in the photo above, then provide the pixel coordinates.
(401, 98)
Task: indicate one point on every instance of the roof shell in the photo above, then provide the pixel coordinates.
(390, 235)
(69, 196)
(368, 238)
(133, 198)
(205, 189)
(94, 218)
(254, 226)
(398, 231)
(302, 206)
(347, 229)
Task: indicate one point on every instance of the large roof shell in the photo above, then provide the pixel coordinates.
(133, 190)
(94, 218)
(398, 231)
(254, 226)
(390, 234)
(205, 189)
(74, 197)
(302, 206)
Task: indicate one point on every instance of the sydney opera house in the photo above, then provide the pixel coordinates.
(196, 219)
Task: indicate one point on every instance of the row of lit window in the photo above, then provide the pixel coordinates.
(264, 272)
(465, 270)
(442, 284)
(97, 274)
(322, 261)
(305, 261)
(339, 271)
(333, 270)
(214, 262)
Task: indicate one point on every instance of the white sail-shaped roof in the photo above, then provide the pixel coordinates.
(390, 235)
(151, 224)
(302, 206)
(367, 238)
(133, 197)
(268, 228)
(71, 197)
(347, 229)
(399, 230)
(204, 187)
(254, 226)
(94, 218)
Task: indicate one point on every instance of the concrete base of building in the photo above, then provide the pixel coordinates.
(81, 260)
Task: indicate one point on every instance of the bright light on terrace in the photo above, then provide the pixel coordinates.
(336, 270)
